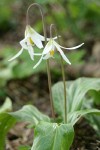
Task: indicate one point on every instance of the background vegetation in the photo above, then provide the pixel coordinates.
(76, 21)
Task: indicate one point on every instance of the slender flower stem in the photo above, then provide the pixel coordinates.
(50, 91)
(42, 15)
(48, 66)
(65, 93)
(63, 75)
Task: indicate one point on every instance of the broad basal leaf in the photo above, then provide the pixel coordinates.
(6, 122)
(95, 96)
(94, 121)
(30, 114)
(76, 91)
(76, 115)
(51, 136)
(58, 98)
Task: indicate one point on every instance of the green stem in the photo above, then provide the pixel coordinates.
(65, 93)
(50, 91)
(63, 75)
(48, 66)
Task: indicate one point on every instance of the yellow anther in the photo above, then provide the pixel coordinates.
(31, 42)
(52, 52)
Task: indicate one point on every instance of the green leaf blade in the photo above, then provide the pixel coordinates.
(51, 136)
(76, 91)
(30, 114)
(6, 122)
(75, 116)
(79, 88)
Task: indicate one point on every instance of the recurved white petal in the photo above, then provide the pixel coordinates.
(47, 56)
(37, 54)
(42, 38)
(48, 47)
(37, 41)
(54, 38)
(23, 43)
(70, 48)
(38, 62)
(30, 51)
(62, 54)
(18, 54)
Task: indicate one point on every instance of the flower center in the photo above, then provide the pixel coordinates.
(52, 52)
(31, 42)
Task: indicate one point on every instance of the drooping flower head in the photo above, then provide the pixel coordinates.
(50, 48)
(32, 38)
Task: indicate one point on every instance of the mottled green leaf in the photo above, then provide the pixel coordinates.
(6, 122)
(51, 136)
(30, 114)
(76, 115)
(76, 91)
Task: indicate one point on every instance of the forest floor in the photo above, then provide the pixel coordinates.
(34, 90)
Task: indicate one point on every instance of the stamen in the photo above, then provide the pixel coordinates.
(31, 42)
(52, 52)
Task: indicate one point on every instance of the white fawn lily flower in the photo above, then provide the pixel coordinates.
(31, 39)
(50, 48)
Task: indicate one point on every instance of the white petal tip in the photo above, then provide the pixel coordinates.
(69, 63)
(34, 67)
(42, 46)
(10, 59)
(82, 44)
(32, 58)
(59, 35)
(72, 48)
